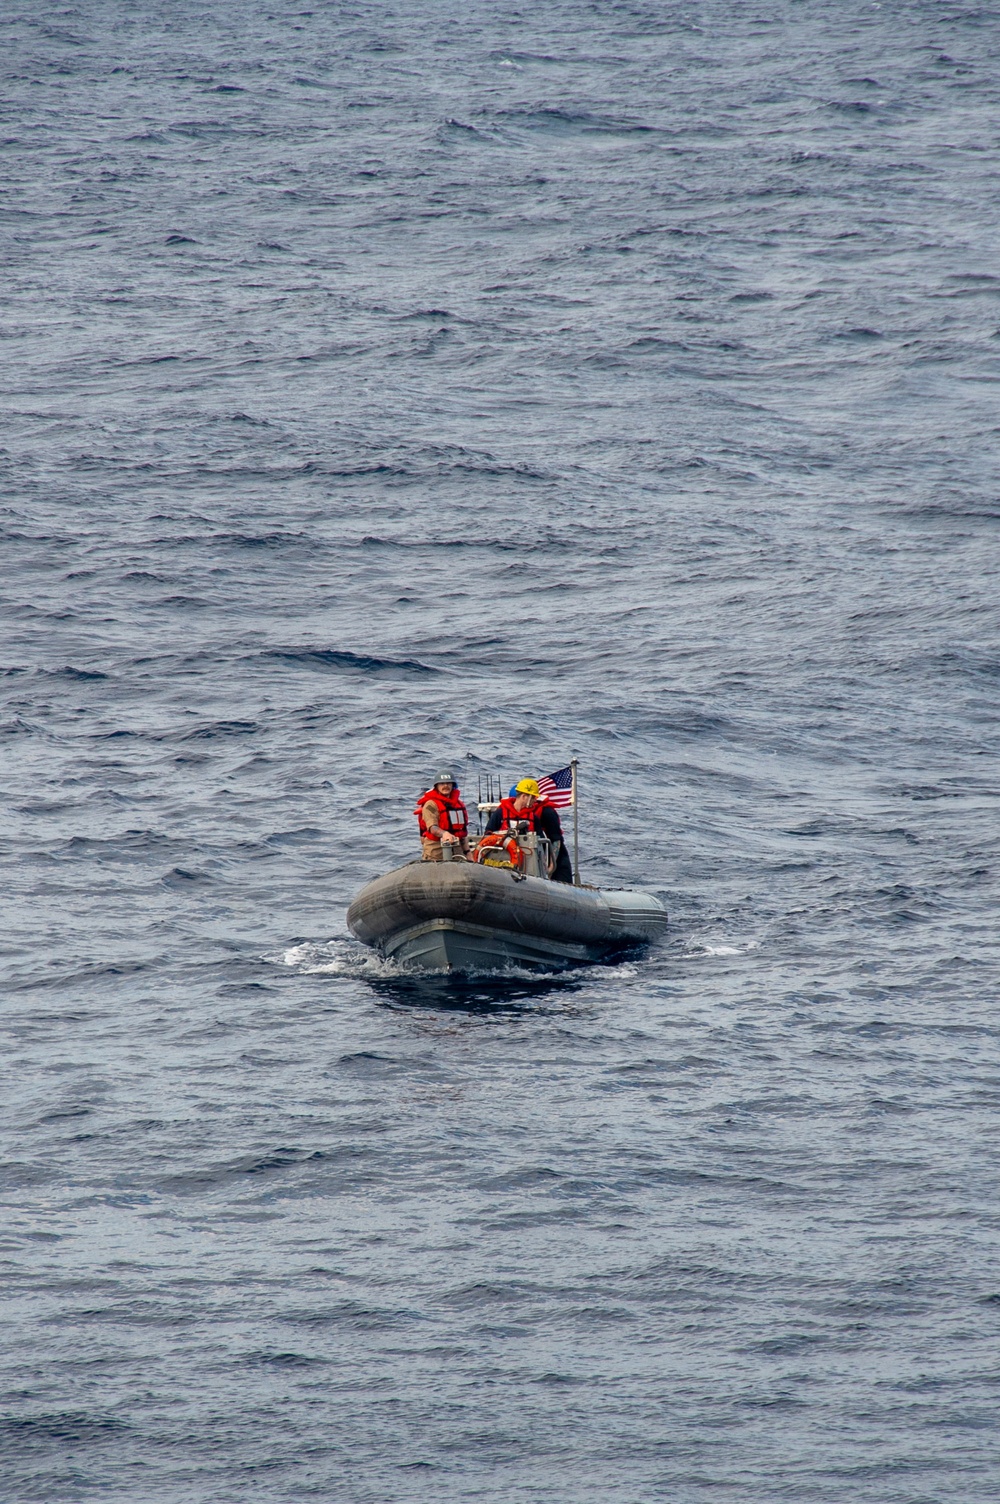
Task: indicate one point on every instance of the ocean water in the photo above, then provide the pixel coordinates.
(389, 383)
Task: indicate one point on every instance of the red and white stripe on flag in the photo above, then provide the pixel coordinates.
(557, 788)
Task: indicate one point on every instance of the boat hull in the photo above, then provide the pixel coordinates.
(458, 916)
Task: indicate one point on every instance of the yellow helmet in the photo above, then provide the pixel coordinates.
(527, 786)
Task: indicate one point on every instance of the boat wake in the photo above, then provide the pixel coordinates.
(337, 958)
(500, 990)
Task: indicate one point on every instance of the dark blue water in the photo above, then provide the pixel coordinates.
(390, 383)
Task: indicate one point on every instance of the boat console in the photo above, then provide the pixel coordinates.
(537, 851)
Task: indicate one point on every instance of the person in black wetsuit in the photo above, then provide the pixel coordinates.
(525, 803)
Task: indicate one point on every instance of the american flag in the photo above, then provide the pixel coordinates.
(557, 787)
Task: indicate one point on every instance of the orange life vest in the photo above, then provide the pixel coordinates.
(509, 815)
(452, 814)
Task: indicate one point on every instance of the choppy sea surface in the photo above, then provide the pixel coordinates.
(389, 383)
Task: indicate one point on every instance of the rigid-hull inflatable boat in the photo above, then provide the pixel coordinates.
(463, 916)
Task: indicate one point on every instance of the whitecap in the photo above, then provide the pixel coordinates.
(721, 948)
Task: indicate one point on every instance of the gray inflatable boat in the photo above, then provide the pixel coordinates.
(460, 916)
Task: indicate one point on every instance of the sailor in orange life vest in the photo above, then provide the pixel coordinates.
(444, 820)
(527, 804)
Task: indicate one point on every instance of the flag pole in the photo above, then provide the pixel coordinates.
(576, 827)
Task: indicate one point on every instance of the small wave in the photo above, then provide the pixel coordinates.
(545, 543)
(230, 540)
(333, 660)
(514, 58)
(973, 662)
(19, 727)
(81, 674)
(462, 128)
(972, 285)
(256, 540)
(213, 130)
(67, 1428)
(127, 841)
(581, 121)
(73, 981)
(282, 1360)
(222, 728)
